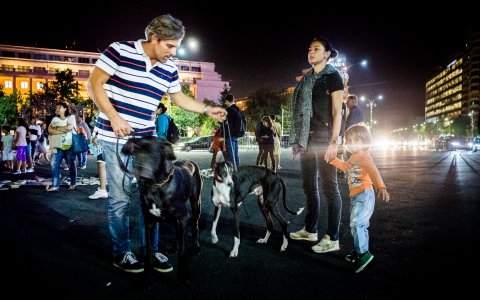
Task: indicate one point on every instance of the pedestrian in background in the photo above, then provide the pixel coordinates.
(316, 121)
(276, 141)
(362, 175)
(161, 122)
(127, 84)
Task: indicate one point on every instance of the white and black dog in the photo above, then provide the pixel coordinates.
(230, 188)
(166, 187)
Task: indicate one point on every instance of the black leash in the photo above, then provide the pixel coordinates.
(126, 172)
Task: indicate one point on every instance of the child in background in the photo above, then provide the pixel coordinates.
(361, 173)
(7, 141)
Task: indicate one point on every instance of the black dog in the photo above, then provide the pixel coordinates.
(230, 188)
(165, 188)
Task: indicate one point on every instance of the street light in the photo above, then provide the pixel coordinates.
(371, 103)
(345, 69)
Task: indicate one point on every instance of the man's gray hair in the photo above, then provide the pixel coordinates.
(166, 27)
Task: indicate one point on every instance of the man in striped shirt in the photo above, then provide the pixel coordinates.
(127, 84)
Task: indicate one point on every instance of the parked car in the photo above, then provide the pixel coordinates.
(284, 143)
(199, 143)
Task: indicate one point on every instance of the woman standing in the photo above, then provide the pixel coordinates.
(62, 124)
(316, 110)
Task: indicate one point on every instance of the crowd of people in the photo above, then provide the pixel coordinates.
(318, 121)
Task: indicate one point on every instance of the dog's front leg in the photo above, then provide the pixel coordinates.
(236, 239)
(182, 251)
(213, 232)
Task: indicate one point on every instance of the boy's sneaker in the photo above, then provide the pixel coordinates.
(352, 257)
(326, 245)
(128, 262)
(103, 194)
(302, 234)
(362, 261)
(160, 263)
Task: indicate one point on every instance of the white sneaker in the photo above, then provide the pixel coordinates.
(30, 170)
(302, 234)
(99, 194)
(326, 245)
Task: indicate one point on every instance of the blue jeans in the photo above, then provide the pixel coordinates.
(231, 145)
(360, 212)
(55, 164)
(313, 166)
(119, 202)
(82, 158)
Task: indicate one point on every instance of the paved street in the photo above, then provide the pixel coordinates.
(426, 240)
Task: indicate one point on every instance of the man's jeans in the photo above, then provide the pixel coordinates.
(232, 151)
(313, 166)
(119, 184)
(361, 210)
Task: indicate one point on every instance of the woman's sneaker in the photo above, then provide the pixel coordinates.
(128, 262)
(326, 245)
(302, 234)
(103, 194)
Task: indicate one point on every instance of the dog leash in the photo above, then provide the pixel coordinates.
(125, 170)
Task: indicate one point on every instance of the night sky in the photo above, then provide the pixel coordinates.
(254, 47)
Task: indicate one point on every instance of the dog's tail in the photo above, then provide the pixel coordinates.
(284, 188)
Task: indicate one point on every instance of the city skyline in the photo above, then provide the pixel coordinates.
(254, 48)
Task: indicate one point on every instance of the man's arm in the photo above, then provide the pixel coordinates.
(190, 104)
(95, 89)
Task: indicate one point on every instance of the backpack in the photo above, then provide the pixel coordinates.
(173, 133)
(241, 128)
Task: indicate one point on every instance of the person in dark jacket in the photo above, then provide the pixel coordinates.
(231, 125)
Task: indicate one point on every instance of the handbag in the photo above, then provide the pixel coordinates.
(79, 143)
(55, 140)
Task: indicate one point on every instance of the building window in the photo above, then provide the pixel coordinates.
(8, 54)
(69, 59)
(39, 56)
(196, 69)
(184, 68)
(24, 69)
(24, 55)
(7, 68)
(84, 60)
(94, 60)
(55, 57)
(24, 85)
(39, 85)
(8, 84)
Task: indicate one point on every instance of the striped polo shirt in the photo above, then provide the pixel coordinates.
(135, 87)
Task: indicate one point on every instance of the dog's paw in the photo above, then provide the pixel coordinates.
(234, 253)
(214, 239)
(262, 241)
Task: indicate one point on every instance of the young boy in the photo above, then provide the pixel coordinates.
(7, 141)
(362, 174)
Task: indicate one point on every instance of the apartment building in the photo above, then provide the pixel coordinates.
(28, 69)
(454, 89)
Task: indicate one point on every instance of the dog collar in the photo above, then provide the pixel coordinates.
(167, 179)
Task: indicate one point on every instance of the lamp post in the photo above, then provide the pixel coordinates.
(371, 103)
(345, 69)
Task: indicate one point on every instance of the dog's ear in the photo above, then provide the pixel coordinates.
(169, 154)
(129, 147)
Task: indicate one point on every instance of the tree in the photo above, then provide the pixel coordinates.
(264, 101)
(9, 108)
(461, 125)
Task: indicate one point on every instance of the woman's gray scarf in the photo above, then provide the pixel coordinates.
(302, 110)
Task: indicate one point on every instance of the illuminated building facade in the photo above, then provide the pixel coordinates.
(27, 69)
(454, 90)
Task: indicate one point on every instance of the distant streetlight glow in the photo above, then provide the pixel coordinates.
(371, 103)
